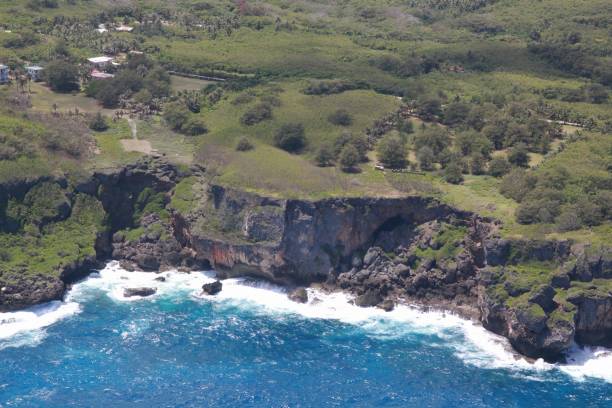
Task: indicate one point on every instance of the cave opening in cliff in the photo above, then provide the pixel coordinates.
(394, 232)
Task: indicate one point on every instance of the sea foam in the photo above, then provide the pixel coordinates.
(470, 341)
(26, 327)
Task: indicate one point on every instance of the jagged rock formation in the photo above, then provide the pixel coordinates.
(539, 294)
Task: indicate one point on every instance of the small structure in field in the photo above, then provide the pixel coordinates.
(4, 74)
(102, 29)
(100, 63)
(95, 74)
(35, 72)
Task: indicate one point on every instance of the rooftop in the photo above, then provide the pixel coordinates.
(97, 60)
(34, 68)
(101, 75)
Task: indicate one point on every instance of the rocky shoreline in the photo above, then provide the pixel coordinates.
(541, 295)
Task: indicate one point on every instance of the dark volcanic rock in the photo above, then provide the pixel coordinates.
(130, 292)
(544, 298)
(212, 288)
(160, 279)
(594, 318)
(368, 299)
(387, 305)
(298, 295)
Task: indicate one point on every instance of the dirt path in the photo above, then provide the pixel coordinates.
(133, 128)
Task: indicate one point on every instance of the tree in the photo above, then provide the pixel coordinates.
(435, 137)
(499, 166)
(477, 164)
(62, 76)
(456, 113)
(175, 114)
(405, 126)
(392, 152)
(517, 184)
(453, 173)
(429, 108)
(589, 212)
(98, 123)
(597, 93)
(244, 144)
(349, 157)
(324, 157)
(426, 158)
(290, 137)
(568, 220)
(359, 141)
(341, 117)
(518, 155)
(157, 82)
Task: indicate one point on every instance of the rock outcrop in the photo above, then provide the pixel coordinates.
(212, 288)
(142, 292)
(541, 295)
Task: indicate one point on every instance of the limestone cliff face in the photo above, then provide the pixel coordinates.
(382, 250)
(297, 240)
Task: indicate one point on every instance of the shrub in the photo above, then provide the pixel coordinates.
(244, 144)
(405, 126)
(175, 114)
(256, 114)
(499, 166)
(589, 212)
(98, 123)
(290, 137)
(477, 164)
(324, 156)
(456, 113)
(426, 158)
(359, 141)
(349, 157)
(568, 220)
(435, 137)
(271, 100)
(518, 155)
(62, 76)
(329, 87)
(453, 173)
(392, 152)
(517, 184)
(340, 118)
(243, 99)
(194, 126)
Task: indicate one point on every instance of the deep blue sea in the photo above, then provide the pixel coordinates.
(251, 347)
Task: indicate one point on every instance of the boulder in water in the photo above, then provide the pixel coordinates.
(212, 288)
(299, 295)
(129, 292)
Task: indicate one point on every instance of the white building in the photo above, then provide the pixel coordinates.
(100, 62)
(35, 72)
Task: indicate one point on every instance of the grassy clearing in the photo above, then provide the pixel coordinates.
(181, 83)
(43, 100)
(110, 152)
(274, 171)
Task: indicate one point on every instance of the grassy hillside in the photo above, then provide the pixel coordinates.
(458, 71)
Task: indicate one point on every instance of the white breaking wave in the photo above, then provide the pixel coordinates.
(26, 327)
(470, 341)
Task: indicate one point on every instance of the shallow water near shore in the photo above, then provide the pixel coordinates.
(251, 346)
